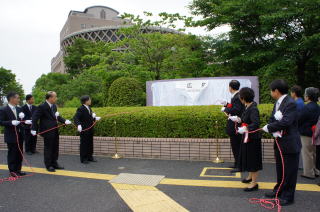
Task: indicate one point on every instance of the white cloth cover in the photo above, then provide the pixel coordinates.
(193, 92)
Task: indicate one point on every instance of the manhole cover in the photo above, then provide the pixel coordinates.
(137, 179)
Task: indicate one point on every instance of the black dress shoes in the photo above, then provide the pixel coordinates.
(246, 181)
(254, 188)
(29, 153)
(284, 202)
(51, 169)
(270, 194)
(20, 173)
(92, 160)
(232, 166)
(307, 177)
(58, 167)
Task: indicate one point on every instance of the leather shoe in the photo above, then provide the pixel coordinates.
(254, 188)
(58, 167)
(310, 178)
(51, 169)
(232, 167)
(284, 202)
(235, 170)
(29, 153)
(246, 181)
(20, 173)
(270, 194)
(92, 160)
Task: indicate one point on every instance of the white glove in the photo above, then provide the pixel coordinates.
(223, 109)
(278, 115)
(21, 115)
(235, 119)
(29, 122)
(98, 118)
(67, 122)
(34, 133)
(94, 115)
(277, 134)
(79, 128)
(242, 130)
(15, 122)
(57, 114)
(265, 128)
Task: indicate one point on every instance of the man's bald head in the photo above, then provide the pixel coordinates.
(51, 97)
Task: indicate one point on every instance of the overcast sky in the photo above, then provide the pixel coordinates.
(29, 29)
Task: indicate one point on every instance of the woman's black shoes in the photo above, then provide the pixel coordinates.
(246, 181)
(254, 188)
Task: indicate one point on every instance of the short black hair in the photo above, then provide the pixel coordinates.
(28, 97)
(312, 93)
(247, 94)
(11, 95)
(297, 90)
(84, 99)
(234, 84)
(49, 94)
(279, 85)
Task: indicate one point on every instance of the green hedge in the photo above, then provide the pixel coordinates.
(161, 122)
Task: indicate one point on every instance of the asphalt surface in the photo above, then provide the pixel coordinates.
(42, 192)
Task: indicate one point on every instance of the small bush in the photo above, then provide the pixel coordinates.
(125, 91)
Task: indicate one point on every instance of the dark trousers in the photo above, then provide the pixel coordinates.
(318, 158)
(86, 146)
(235, 141)
(291, 166)
(30, 141)
(51, 148)
(14, 156)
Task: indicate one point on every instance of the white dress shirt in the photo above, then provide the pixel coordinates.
(280, 101)
(14, 110)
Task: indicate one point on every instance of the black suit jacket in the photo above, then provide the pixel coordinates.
(236, 110)
(290, 141)
(6, 117)
(251, 117)
(28, 113)
(46, 118)
(308, 117)
(84, 118)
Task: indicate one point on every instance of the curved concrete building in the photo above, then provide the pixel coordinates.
(96, 23)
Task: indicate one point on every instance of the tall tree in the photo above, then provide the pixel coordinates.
(268, 38)
(8, 82)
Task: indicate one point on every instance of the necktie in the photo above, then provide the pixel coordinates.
(30, 108)
(14, 111)
(277, 106)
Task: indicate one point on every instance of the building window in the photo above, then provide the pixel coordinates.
(103, 14)
(83, 26)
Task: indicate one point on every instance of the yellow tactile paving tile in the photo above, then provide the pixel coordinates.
(88, 175)
(147, 199)
(231, 184)
(166, 181)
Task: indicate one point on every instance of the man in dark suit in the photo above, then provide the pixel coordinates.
(11, 117)
(284, 119)
(85, 118)
(49, 117)
(30, 141)
(235, 108)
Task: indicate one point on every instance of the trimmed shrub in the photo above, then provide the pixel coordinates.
(160, 122)
(125, 91)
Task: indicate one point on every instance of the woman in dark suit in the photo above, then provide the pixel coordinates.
(250, 149)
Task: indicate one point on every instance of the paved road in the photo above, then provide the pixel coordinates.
(80, 190)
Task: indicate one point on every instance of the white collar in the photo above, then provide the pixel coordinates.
(11, 106)
(234, 94)
(281, 99)
(29, 105)
(50, 105)
(86, 106)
